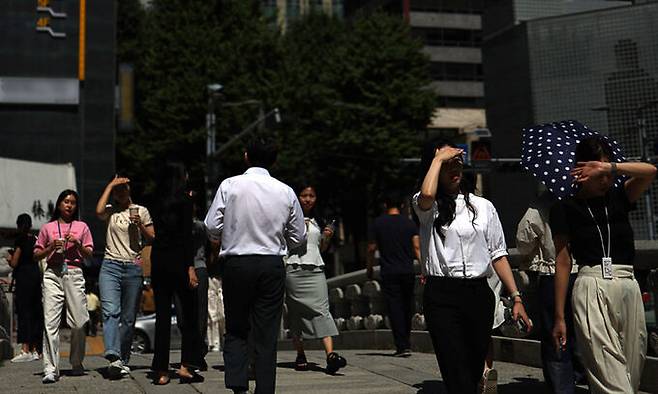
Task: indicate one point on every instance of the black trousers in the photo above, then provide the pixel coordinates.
(253, 301)
(202, 308)
(30, 311)
(399, 294)
(459, 316)
(167, 289)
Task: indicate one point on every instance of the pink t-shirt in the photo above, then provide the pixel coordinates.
(51, 231)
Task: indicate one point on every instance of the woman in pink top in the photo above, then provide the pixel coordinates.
(64, 242)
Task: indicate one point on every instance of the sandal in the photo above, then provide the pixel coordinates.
(335, 362)
(162, 379)
(489, 382)
(300, 363)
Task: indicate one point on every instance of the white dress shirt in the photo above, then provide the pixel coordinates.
(254, 213)
(468, 249)
(312, 255)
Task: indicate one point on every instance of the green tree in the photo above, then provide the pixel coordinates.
(353, 96)
(183, 46)
(358, 98)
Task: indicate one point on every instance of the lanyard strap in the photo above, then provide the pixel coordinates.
(59, 230)
(607, 222)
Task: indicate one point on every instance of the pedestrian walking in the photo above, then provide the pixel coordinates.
(594, 226)
(65, 242)
(120, 278)
(216, 317)
(94, 310)
(258, 219)
(461, 238)
(27, 291)
(200, 240)
(173, 276)
(534, 240)
(307, 296)
(396, 238)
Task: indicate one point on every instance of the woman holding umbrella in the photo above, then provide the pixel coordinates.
(594, 227)
(461, 242)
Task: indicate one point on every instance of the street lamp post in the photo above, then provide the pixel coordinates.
(214, 92)
(642, 130)
(212, 150)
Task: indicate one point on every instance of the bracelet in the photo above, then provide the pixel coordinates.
(613, 169)
(515, 294)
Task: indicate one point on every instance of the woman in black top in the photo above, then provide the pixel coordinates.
(28, 292)
(173, 276)
(594, 227)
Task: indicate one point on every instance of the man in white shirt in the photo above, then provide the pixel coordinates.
(257, 219)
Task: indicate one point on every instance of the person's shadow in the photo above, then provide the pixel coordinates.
(520, 386)
(312, 367)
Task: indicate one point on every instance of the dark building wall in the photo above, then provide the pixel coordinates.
(81, 134)
(600, 59)
(573, 64)
(508, 101)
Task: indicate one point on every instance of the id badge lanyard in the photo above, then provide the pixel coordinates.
(65, 267)
(606, 261)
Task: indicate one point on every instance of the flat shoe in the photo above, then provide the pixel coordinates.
(335, 362)
(301, 364)
(194, 378)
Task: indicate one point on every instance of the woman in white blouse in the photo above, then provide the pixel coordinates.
(461, 242)
(306, 289)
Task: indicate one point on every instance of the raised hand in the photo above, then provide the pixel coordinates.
(447, 153)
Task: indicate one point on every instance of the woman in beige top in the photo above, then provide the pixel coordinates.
(120, 278)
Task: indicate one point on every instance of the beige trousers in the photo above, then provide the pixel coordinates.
(216, 320)
(610, 329)
(61, 290)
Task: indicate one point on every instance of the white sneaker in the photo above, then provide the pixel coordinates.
(115, 369)
(49, 378)
(23, 358)
(125, 370)
(36, 356)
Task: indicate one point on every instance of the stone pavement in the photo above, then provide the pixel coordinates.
(368, 372)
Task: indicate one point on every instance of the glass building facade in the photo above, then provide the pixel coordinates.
(598, 67)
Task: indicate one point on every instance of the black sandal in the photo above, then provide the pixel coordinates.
(300, 363)
(335, 362)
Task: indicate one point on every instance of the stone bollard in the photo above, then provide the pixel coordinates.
(339, 305)
(358, 302)
(376, 303)
(341, 324)
(418, 322)
(373, 322)
(355, 323)
(418, 295)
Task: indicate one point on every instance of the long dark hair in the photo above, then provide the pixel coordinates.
(593, 149)
(446, 202)
(171, 183)
(68, 192)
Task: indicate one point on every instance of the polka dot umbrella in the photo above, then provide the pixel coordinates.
(549, 152)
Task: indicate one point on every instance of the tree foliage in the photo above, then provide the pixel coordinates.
(353, 96)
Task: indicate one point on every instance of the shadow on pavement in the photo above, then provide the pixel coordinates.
(376, 354)
(312, 367)
(521, 386)
(430, 387)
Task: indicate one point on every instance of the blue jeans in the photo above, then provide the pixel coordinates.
(120, 286)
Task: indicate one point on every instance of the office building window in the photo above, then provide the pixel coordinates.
(448, 37)
(456, 71)
(452, 6)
